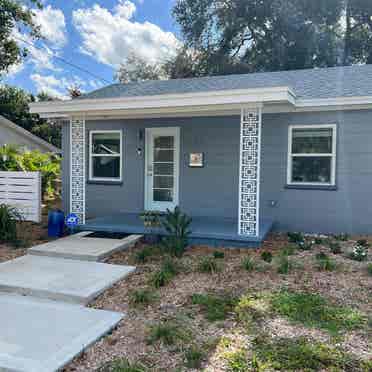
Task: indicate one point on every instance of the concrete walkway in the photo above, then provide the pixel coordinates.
(43, 322)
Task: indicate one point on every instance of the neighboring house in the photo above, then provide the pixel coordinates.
(12, 134)
(234, 152)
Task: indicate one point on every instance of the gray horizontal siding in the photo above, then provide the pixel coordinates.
(213, 190)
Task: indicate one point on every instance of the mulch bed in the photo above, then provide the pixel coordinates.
(350, 285)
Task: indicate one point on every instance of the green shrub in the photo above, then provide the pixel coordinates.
(359, 253)
(208, 264)
(142, 297)
(9, 217)
(249, 263)
(169, 332)
(165, 274)
(215, 307)
(288, 250)
(194, 357)
(218, 254)
(318, 240)
(369, 269)
(237, 361)
(284, 265)
(335, 247)
(267, 256)
(324, 263)
(299, 354)
(122, 365)
(177, 225)
(143, 255)
(313, 310)
(294, 237)
(363, 243)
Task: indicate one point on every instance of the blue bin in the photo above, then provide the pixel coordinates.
(56, 223)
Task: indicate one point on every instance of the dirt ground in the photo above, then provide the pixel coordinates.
(349, 285)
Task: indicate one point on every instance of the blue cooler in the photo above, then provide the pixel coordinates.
(56, 223)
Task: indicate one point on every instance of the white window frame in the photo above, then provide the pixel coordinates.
(332, 155)
(91, 156)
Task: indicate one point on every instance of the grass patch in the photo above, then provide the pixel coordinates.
(324, 262)
(208, 265)
(165, 274)
(215, 307)
(194, 357)
(142, 297)
(252, 309)
(237, 361)
(169, 332)
(122, 365)
(298, 354)
(313, 310)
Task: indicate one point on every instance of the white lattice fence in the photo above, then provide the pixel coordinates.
(22, 190)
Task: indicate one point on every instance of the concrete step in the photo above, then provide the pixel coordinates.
(71, 281)
(42, 336)
(81, 247)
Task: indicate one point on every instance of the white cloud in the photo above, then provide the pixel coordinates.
(52, 25)
(110, 36)
(57, 87)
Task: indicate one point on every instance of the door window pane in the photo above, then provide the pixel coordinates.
(163, 142)
(163, 155)
(106, 167)
(106, 143)
(163, 182)
(312, 141)
(311, 169)
(163, 195)
(164, 169)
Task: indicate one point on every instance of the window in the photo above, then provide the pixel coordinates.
(105, 155)
(312, 155)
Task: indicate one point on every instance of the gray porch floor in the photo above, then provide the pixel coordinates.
(205, 230)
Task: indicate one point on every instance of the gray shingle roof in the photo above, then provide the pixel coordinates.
(307, 84)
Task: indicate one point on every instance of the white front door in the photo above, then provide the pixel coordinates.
(162, 168)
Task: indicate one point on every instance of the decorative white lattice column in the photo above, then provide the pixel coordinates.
(249, 171)
(77, 165)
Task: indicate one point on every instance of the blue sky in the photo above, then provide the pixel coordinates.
(96, 35)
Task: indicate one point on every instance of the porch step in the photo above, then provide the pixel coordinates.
(82, 247)
(42, 336)
(71, 281)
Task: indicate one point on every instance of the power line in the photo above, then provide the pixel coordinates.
(64, 60)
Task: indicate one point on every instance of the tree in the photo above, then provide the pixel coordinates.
(14, 105)
(261, 35)
(15, 14)
(136, 69)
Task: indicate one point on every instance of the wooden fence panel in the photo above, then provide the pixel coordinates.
(22, 190)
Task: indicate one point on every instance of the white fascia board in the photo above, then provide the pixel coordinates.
(238, 96)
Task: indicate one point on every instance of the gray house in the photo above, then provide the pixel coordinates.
(13, 134)
(240, 154)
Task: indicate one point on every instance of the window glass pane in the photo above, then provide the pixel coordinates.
(163, 169)
(312, 141)
(311, 169)
(163, 195)
(106, 143)
(163, 142)
(163, 155)
(106, 167)
(161, 182)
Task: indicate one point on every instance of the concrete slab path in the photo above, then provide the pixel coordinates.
(82, 247)
(42, 336)
(60, 279)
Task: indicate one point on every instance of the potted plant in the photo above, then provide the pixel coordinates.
(151, 222)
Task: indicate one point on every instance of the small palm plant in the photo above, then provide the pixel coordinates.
(177, 225)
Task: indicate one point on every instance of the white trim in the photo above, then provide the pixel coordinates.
(202, 99)
(259, 170)
(91, 156)
(176, 131)
(332, 155)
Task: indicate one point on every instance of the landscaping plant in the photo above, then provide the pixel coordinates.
(194, 357)
(142, 297)
(208, 265)
(169, 332)
(324, 263)
(294, 237)
(122, 365)
(335, 247)
(267, 256)
(165, 274)
(369, 269)
(218, 254)
(177, 225)
(9, 216)
(248, 264)
(359, 253)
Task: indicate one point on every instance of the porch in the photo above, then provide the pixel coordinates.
(215, 231)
